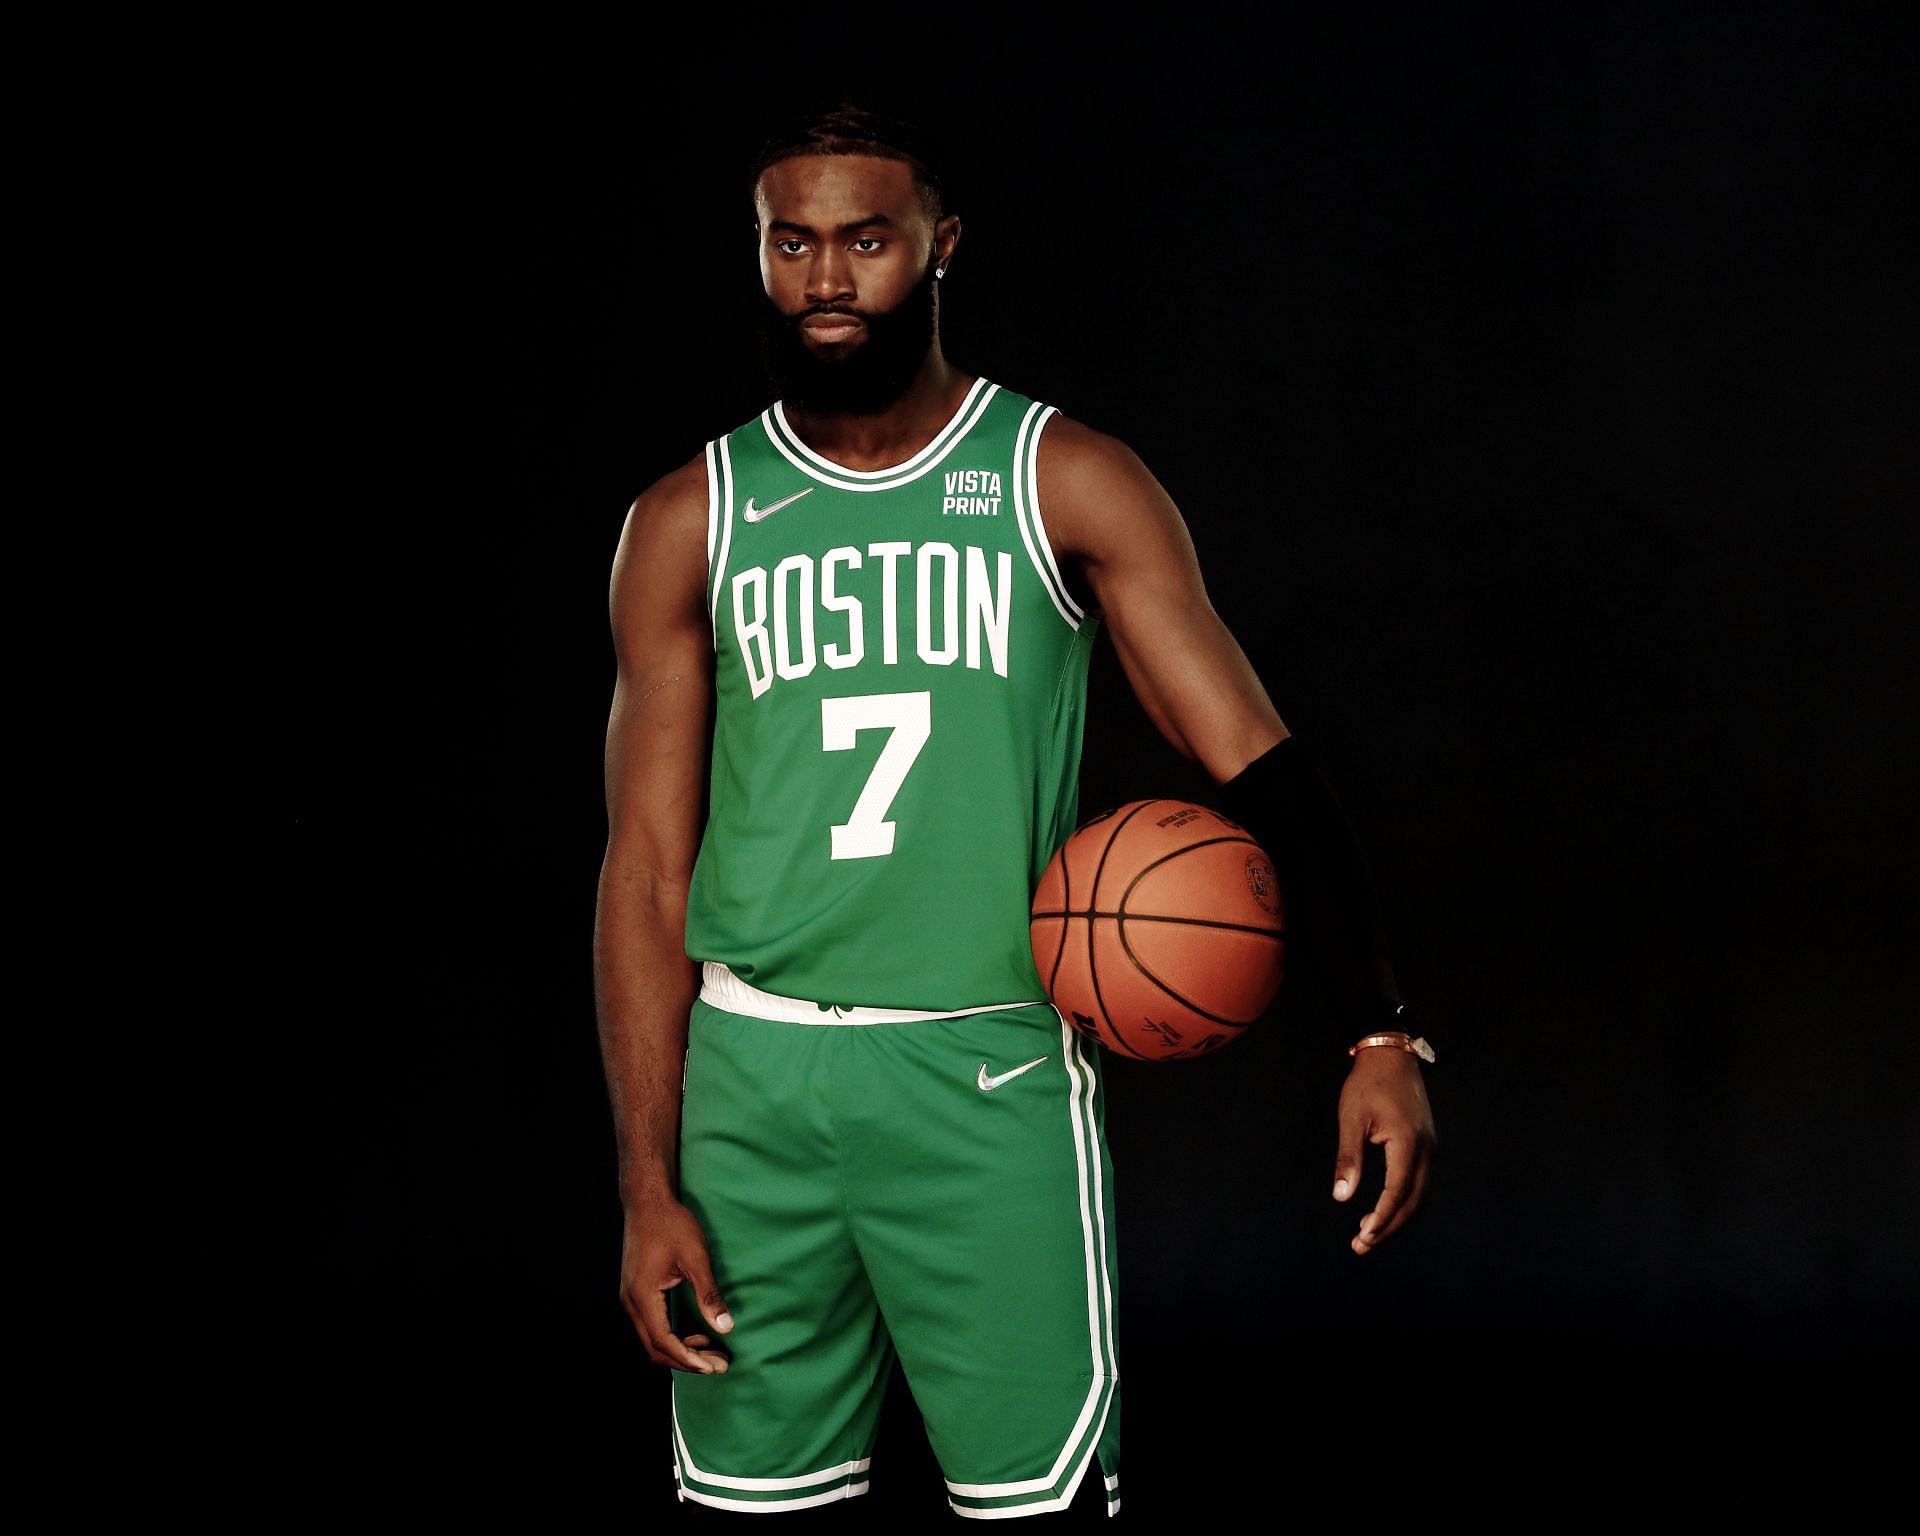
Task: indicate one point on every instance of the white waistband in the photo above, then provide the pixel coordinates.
(720, 988)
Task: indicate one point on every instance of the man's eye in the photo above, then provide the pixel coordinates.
(868, 240)
(783, 244)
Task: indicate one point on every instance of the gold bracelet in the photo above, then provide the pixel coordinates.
(1397, 1037)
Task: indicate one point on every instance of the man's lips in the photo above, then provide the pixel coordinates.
(831, 328)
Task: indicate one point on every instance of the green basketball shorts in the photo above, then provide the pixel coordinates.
(937, 1191)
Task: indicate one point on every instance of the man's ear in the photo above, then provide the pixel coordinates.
(946, 235)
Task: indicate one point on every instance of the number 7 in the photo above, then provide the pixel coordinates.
(910, 717)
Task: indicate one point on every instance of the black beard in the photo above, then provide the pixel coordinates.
(867, 380)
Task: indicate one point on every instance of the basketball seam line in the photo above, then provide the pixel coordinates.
(1140, 966)
(1163, 917)
(1185, 1002)
(1093, 969)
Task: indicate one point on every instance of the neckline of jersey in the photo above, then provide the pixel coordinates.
(781, 434)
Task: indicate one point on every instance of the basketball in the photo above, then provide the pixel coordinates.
(1158, 929)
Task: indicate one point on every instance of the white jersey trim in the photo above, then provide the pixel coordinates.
(1026, 510)
(713, 532)
(720, 509)
(720, 988)
(713, 507)
(823, 469)
(1033, 509)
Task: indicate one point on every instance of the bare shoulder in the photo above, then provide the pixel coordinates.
(1076, 455)
(662, 558)
(674, 507)
(1087, 478)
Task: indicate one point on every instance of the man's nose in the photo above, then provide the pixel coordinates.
(829, 277)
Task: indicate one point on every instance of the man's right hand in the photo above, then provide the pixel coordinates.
(663, 1247)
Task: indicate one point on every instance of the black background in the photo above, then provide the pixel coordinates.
(1538, 390)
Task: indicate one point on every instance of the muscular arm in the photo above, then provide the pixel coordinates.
(1110, 519)
(657, 742)
(658, 737)
(1123, 530)
(1113, 523)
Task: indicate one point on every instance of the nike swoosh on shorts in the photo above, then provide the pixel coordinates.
(988, 1084)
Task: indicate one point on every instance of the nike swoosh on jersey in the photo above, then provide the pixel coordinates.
(753, 514)
(988, 1084)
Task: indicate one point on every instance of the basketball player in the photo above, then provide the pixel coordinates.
(851, 1127)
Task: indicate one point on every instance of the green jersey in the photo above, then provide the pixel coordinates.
(900, 688)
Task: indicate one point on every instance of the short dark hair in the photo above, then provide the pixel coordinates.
(847, 127)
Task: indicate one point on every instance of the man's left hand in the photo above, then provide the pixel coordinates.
(1385, 1102)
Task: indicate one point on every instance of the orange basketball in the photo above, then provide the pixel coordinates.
(1159, 930)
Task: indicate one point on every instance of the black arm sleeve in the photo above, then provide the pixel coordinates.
(1283, 799)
